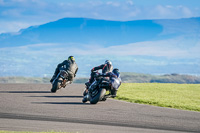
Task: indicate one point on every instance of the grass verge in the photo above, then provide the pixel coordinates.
(178, 96)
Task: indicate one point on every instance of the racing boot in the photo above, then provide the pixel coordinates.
(104, 99)
(85, 98)
(87, 84)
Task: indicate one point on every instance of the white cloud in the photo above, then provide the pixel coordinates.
(130, 2)
(167, 48)
(161, 10)
(14, 26)
(114, 4)
(38, 12)
(135, 12)
(1, 2)
(173, 12)
(12, 12)
(186, 12)
(172, 48)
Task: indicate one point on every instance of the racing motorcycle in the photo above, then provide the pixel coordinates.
(97, 90)
(60, 81)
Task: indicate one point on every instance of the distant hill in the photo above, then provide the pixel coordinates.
(103, 32)
(167, 78)
(126, 78)
(84, 31)
(141, 46)
(36, 80)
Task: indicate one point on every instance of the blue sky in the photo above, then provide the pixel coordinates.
(178, 51)
(19, 14)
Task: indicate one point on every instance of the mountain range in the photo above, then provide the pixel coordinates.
(84, 31)
(142, 46)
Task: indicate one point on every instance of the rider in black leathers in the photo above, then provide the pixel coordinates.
(69, 66)
(115, 82)
(106, 67)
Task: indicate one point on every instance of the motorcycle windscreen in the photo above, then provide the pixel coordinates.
(116, 82)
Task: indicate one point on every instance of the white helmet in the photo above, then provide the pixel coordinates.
(108, 62)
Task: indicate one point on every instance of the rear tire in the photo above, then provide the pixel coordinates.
(98, 97)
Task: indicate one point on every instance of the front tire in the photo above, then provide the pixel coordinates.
(85, 93)
(98, 97)
(84, 100)
(56, 85)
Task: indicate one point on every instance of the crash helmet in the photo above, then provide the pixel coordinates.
(71, 58)
(108, 62)
(116, 72)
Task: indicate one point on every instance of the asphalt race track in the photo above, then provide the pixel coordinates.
(31, 107)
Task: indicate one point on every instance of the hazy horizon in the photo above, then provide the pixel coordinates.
(136, 35)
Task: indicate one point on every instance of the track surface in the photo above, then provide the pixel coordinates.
(31, 107)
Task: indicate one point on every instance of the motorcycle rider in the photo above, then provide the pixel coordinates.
(69, 66)
(106, 67)
(115, 82)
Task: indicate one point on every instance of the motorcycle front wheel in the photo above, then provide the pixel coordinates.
(98, 97)
(56, 85)
(85, 93)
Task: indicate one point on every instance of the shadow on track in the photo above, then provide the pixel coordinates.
(25, 92)
(75, 103)
(59, 96)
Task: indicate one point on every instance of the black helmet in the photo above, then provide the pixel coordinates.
(108, 62)
(71, 58)
(116, 72)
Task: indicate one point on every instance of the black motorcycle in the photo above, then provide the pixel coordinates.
(60, 81)
(97, 90)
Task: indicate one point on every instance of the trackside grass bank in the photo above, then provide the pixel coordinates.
(178, 96)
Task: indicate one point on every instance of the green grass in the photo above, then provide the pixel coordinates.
(179, 96)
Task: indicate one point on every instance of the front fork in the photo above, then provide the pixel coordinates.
(65, 82)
